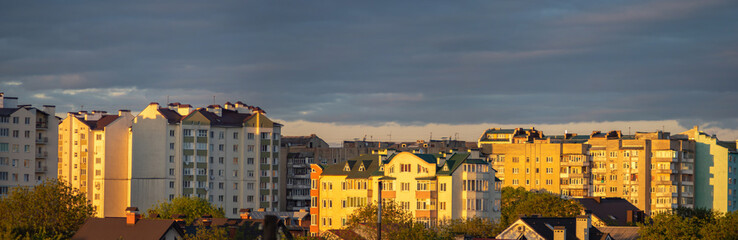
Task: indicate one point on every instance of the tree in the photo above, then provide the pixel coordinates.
(519, 201)
(687, 223)
(477, 227)
(191, 207)
(396, 222)
(50, 210)
(208, 233)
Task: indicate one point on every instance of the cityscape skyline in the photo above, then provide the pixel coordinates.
(403, 66)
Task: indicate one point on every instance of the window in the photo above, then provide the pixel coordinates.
(250, 161)
(202, 133)
(171, 184)
(250, 136)
(235, 135)
(15, 120)
(15, 133)
(27, 120)
(443, 187)
(249, 198)
(265, 135)
(250, 148)
(171, 172)
(404, 167)
(171, 146)
(235, 198)
(187, 132)
(235, 147)
(549, 159)
(171, 133)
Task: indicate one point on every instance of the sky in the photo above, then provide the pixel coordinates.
(403, 70)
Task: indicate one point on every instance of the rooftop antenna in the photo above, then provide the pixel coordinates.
(431, 135)
(628, 130)
(213, 99)
(390, 136)
(81, 107)
(167, 99)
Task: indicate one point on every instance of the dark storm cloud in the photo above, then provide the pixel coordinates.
(370, 62)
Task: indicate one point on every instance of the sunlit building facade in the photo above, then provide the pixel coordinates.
(432, 187)
(227, 154)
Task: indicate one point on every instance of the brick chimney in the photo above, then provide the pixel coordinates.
(584, 223)
(207, 220)
(559, 233)
(131, 215)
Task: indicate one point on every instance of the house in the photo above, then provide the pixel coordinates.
(548, 228)
(129, 227)
(611, 211)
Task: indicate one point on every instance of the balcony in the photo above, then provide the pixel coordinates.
(42, 125)
(665, 159)
(664, 171)
(41, 169)
(42, 140)
(42, 154)
(426, 194)
(661, 182)
(426, 214)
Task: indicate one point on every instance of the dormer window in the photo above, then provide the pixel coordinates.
(346, 168)
(361, 167)
(445, 167)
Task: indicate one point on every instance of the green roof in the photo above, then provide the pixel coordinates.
(370, 162)
(429, 158)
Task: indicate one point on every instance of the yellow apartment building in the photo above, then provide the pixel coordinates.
(431, 187)
(654, 170)
(525, 158)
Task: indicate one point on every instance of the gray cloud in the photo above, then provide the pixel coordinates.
(411, 62)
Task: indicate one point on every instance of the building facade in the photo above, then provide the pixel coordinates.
(525, 158)
(94, 158)
(28, 138)
(431, 187)
(228, 155)
(653, 171)
(715, 165)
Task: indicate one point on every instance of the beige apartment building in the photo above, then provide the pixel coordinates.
(654, 171)
(27, 144)
(94, 157)
(227, 154)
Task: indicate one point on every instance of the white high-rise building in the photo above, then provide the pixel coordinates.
(27, 144)
(228, 155)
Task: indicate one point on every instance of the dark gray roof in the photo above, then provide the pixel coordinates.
(539, 226)
(612, 210)
(7, 111)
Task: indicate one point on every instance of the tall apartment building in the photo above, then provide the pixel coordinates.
(651, 170)
(298, 152)
(28, 139)
(654, 171)
(228, 155)
(525, 158)
(715, 165)
(94, 157)
(431, 187)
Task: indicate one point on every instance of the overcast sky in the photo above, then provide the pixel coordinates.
(386, 67)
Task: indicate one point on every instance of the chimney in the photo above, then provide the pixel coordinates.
(629, 219)
(131, 215)
(584, 223)
(184, 109)
(179, 219)
(123, 111)
(245, 213)
(559, 233)
(8, 102)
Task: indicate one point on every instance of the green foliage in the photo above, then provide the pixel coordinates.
(686, 223)
(191, 207)
(208, 233)
(396, 222)
(399, 224)
(519, 201)
(477, 227)
(50, 210)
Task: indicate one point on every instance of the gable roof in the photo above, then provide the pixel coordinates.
(614, 210)
(370, 161)
(7, 111)
(99, 124)
(171, 115)
(116, 228)
(541, 226)
(622, 233)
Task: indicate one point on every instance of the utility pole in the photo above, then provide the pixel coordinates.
(379, 211)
